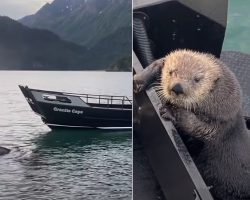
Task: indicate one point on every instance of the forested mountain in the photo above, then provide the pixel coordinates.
(25, 48)
(103, 27)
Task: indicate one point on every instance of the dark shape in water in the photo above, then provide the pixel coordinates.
(4, 151)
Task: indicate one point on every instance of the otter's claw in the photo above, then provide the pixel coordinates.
(166, 114)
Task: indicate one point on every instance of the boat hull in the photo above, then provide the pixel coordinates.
(79, 117)
(73, 112)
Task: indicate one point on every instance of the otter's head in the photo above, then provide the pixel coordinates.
(188, 77)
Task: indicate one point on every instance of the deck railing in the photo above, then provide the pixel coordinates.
(106, 99)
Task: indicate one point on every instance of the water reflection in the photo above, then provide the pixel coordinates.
(82, 161)
(73, 138)
(62, 164)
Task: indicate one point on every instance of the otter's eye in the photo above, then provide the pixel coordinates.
(198, 78)
(170, 73)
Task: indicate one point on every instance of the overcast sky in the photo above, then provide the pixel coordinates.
(17, 9)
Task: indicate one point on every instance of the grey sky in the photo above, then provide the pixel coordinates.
(17, 9)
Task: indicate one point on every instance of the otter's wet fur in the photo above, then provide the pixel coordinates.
(207, 107)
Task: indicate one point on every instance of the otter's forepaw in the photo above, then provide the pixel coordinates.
(139, 84)
(166, 114)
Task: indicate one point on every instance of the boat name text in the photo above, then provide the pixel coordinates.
(65, 110)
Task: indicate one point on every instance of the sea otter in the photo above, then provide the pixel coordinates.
(3, 151)
(202, 97)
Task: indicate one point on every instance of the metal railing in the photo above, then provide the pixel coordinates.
(106, 99)
(89, 98)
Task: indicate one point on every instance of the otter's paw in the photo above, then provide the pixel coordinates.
(139, 84)
(166, 114)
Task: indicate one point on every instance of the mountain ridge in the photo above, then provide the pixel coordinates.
(24, 48)
(81, 21)
(94, 24)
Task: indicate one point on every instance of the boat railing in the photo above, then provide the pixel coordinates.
(106, 99)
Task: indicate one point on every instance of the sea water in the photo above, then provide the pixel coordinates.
(62, 164)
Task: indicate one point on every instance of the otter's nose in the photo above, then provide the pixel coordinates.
(177, 89)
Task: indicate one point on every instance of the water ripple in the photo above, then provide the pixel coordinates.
(65, 164)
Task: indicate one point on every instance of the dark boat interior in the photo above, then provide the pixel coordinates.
(172, 25)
